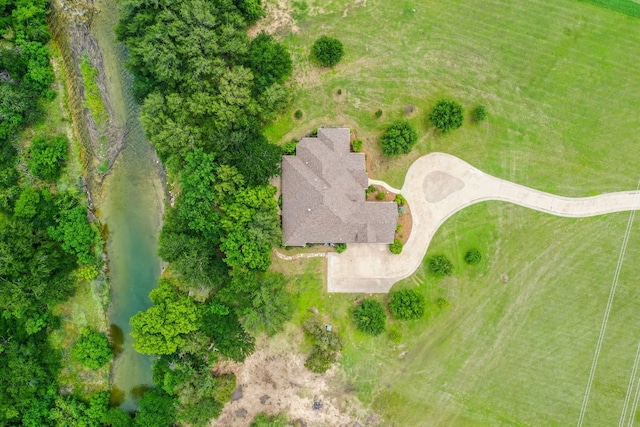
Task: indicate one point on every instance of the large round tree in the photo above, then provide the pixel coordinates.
(327, 51)
(92, 349)
(446, 116)
(370, 317)
(399, 138)
(269, 60)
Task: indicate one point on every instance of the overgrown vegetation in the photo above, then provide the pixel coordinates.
(92, 94)
(48, 156)
(39, 258)
(447, 116)
(203, 110)
(370, 317)
(266, 420)
(399, 138)
(290, 147)
(356, 145)
(326, 345)
(327, 51)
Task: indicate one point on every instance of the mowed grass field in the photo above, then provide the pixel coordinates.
(515, 346)
(559, 80)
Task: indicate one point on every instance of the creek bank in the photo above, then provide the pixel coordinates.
(70, 24)
(123, 178)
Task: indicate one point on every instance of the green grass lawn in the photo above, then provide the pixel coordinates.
(514, 352)
(558, 80)
(516, 344)
(560, 84)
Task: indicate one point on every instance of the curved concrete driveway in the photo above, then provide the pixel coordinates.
(437, 186)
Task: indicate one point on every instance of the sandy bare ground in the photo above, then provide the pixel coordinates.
(277, 19)
(274, 380)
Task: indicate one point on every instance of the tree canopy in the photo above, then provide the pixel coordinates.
(28, 368)
(162, 328)
(269, 61)
(399, 138)
(407, 304)
(72, 229)
(446, 115)
(157, 409)
(327, 51)
(270, 305)
(37, 255)
(92, 349)
(35, 270)
(370, 317)
(250, 227)
(48, 156)
(242, 219)
(206, 91)
(211, 87)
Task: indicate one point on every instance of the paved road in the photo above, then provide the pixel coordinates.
(437, 186)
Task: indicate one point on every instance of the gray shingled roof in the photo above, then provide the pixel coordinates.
(323, 197)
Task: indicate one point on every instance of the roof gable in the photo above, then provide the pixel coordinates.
(323, 198)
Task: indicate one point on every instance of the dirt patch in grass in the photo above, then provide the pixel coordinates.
(388, 195)
(274, 380)
(277, 20)
(405, 225)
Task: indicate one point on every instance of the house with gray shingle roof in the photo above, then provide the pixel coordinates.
(323, 195)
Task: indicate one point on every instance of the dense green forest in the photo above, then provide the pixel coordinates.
(47, 246)
(207, 89)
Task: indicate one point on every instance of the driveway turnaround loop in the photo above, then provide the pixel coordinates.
(437, 186)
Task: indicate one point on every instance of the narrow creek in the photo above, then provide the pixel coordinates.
(131, 204)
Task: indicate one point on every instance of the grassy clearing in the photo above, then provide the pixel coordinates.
(84, 309)
(561, 93)
(559, 87)
(87, 307)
